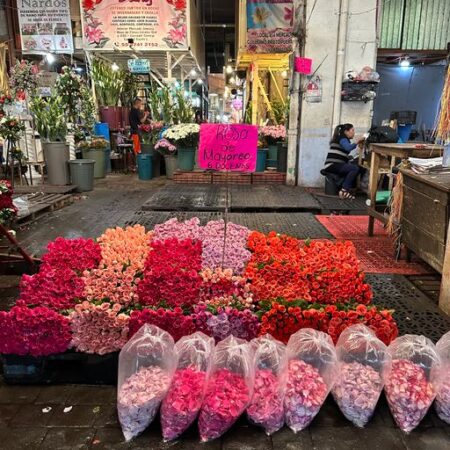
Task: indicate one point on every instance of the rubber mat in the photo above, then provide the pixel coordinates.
(376, 255)
(187, 197)
(334, 203)
(350, 227)
(300, 225)
(414, 312)
(276, 198)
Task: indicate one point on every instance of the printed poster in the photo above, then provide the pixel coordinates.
(151, 24)
(269, 26)
(45, 26)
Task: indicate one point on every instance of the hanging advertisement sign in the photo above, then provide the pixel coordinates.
(269, 26)
(139, 65)
(45, 26)
(139, 24)
(228, 147)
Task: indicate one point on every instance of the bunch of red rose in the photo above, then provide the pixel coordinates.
(317, 271)
(171, 274)
(58, 284)
(75, 254)
(7, 208)
(175, 322)
(33, 331)
(285, 318)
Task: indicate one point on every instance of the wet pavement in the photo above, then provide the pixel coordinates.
(84, 417)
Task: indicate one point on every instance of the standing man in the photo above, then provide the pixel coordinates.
(137, 117)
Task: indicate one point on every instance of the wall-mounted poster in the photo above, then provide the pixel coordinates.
(269, 26)
(142, 24)
(45, 26)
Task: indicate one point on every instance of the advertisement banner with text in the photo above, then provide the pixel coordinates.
(269, 26)
(139, 24)
(45, 26)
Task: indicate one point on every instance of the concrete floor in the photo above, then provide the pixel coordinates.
(92, 422)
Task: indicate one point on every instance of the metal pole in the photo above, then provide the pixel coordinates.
(295, 92)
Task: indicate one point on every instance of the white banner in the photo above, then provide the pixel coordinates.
(45, 26)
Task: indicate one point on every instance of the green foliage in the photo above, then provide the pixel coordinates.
(107, 82)
(280, 111)
(129, 89)
(182, 109)
(69, 89)
(49, 117)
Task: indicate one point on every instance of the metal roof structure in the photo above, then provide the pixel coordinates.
(415, 24)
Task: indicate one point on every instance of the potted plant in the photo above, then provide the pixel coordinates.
(185, 137)
(169, 151)
(94, 148)
(273, 134)
(11, 129)
(108, 85)
(51, 124)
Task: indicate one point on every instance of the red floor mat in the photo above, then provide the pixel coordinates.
(376, 254)
(350, 227)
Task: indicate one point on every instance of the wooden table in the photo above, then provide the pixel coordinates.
(392, 152)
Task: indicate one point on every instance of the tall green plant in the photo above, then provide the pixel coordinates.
(49, 118)
(182, 109)
(166, 105)
(108, 83)
(129, 89)
(154, 102)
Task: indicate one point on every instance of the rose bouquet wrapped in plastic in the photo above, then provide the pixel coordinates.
(413, 381)
(442, 403)
(229, 389)
(363, 363)
(310, 374)
(146, 366)
(266, 408)
(182, 403)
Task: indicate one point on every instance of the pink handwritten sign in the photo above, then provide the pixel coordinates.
(303, 65)
(228, 147)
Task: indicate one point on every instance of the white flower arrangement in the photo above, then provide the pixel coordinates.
(183, 135)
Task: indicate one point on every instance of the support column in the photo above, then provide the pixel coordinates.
(255, 92)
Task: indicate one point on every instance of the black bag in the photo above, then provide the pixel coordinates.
(382, 135)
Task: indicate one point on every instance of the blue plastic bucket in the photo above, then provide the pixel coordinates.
(404, 131)
(102, 129)
(144, 163)
(261, 160)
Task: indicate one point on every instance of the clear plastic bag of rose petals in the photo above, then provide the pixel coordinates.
(229, 388)
(414, 379)
(442, 402)
(310, 373)
(146, 366)
(184, 399)
(266, 407)
(363, 363)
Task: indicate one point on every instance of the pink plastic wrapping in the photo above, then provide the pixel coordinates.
(146, 366)
(229, 389)
(310, 374)
(266, 407)
(182, 403)
(442, 403)
(413, 381)
(363, 364)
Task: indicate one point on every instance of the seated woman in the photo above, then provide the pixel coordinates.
(337, 161)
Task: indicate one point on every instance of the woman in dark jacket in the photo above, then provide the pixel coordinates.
(337, 161)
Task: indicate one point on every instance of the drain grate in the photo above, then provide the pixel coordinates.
(414, 312)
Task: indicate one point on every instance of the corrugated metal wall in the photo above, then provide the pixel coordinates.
(415, 24)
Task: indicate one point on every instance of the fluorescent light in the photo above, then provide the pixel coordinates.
(50, 57)
(115, 67)
(405, 62)
(229, 69)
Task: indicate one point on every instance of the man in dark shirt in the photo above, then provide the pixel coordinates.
(136, 118)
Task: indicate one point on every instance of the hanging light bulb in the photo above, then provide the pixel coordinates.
(50, 57)
(115, 67)
(232, 80)
(193, 72)
(284, 74)
(405, 62)
(229, 69)
(200, 81)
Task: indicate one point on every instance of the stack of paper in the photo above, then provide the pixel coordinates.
(425, 165)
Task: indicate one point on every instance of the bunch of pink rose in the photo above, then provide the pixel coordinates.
(99, 328)
(172, 228)
(171, 275)
(273, 133)
(36, 331)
